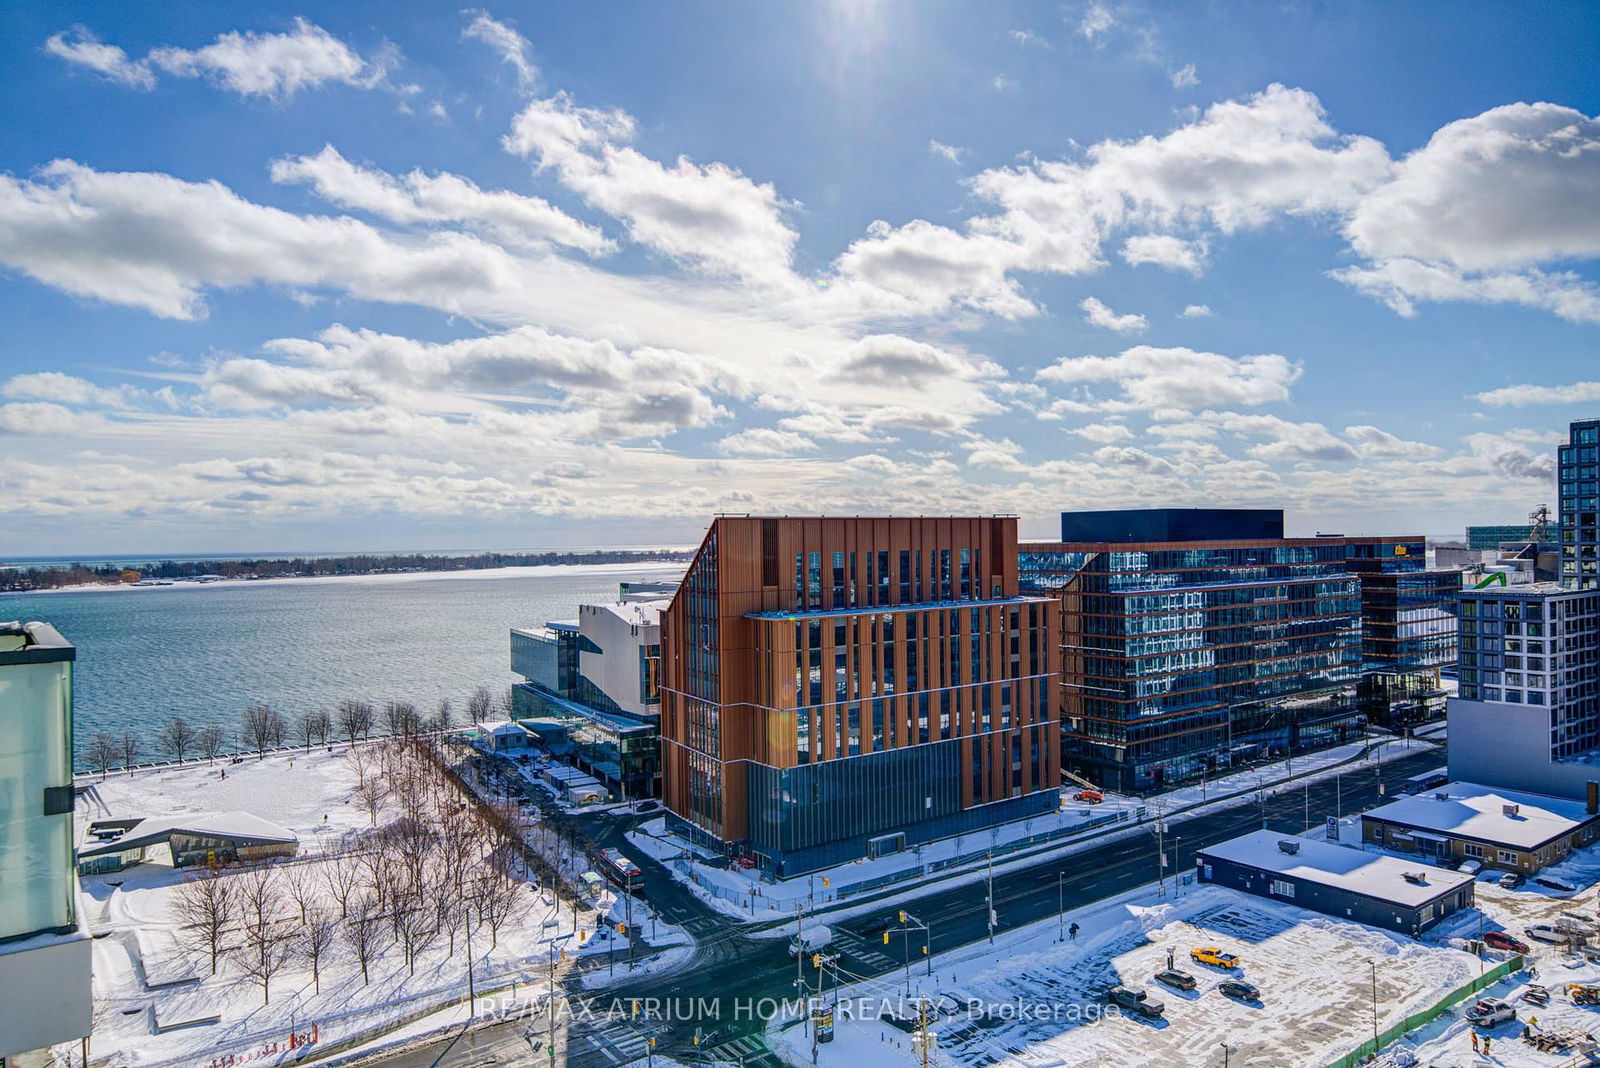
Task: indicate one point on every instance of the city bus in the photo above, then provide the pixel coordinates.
(618, 868)
(1428, 780)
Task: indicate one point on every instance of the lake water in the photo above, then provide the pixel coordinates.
(204, 652)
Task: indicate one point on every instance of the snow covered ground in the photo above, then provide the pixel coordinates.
(1033, 1001)
(744, 894)
(1448, 1041)
(150, 978)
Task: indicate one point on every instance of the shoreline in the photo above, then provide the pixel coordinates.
(484, 573)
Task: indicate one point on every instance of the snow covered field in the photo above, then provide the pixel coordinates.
(1038, 1000)
(157, 1002)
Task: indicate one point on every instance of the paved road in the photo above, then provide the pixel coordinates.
(732, 966)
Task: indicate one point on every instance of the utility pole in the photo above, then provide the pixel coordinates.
(799, 951)
(472, 996)
(991, 897)
(1061, 905)
(1374, 966)
(1308, 804)
(909, 923)
(629, 921)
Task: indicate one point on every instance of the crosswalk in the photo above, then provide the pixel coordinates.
(748, 1050)
(868, 952)
(617, 1042)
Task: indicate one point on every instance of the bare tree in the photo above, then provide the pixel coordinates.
(363, 933)
(305, 725)
(101, 752)
(508, 702)
(480, 704)
(265, 949)
(355, 719)
(417, 931)
(128, 747)
(341, 875)
(372, 791)
(322, 724)
(445, 716)
(400, 718)
(206, 906)
(177, 738)
(210, 740)
(261, 727)
(498, 901)
(300, 881)
(316, 939)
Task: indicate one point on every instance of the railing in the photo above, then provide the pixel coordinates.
(1419, 1019)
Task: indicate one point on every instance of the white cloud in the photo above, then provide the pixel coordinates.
(62, 389)
(1521, 396)
(1164, 250)
(275, 65)
(1185, 77)
(1002, 83)
(709, 216)
(1097, 19)
(1103, 433)
(419, 197)
(1178, 378)
(944, 151)
(760, 441)
(1286, 440)
(44, 418)
(1374, 444)
(504, 39)
(1096, 313)
(1482, 211)
(80, 47)
(1029, 37)
(1402, 283)
(925, 269)
(1196, 311)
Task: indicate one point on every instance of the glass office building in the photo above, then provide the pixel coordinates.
(44, 955)
(1180, 658)
(1579, 475)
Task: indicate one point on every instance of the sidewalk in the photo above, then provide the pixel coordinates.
(749, 898)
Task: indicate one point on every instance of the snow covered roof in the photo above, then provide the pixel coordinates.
(1478, 812)
(633, 613)
(501, 728)
(1342, 867)
(238, 826)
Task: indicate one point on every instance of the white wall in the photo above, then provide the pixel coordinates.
(44, 992)
(617, 670)
(1509, 746)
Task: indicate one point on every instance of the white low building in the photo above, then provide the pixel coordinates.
(1498, 828)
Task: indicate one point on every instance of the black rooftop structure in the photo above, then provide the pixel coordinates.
(1128, 525)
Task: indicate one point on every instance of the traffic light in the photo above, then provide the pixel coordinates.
(816, 960)
(622, 928)
(902, 915)
(825, 882)
(886, 938)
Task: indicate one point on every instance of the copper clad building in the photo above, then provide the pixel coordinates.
(839, 688)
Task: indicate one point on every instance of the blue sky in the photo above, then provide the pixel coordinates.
(327, 276)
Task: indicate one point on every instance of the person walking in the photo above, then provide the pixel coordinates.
(1474, 1041)
(1072, 933)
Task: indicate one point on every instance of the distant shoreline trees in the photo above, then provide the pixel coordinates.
(23, 579)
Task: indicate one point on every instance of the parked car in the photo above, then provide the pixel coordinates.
(1135, 1001)
(1238, 988)
(1543, 932)
(1490, 1012)
(647, 805)
(1512, 880)
(1552, 883)
(1176, 979)
(1089, 797)
(1470, 867)
(1502, 940)
(1213, 956)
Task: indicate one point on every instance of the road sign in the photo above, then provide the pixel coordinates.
(1333, 828)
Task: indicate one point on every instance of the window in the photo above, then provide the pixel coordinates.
(1507, 857)
(1471, 850)
(1282, 888)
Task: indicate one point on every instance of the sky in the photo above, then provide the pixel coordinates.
(359, 275)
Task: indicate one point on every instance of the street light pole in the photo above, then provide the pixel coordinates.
(1374, 966)
(1225, 1052)
(990, 917)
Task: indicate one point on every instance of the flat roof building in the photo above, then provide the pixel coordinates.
(191, 839)
(1579, 480)
(44, 951)
(1498, 828)
(837, 688)
(1183, 657)
(1342, 881)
